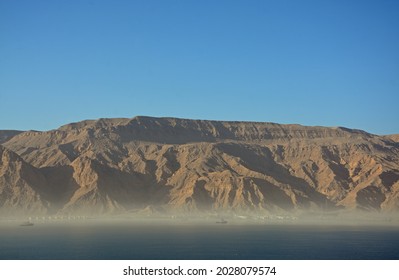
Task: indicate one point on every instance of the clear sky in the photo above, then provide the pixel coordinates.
(329, 63)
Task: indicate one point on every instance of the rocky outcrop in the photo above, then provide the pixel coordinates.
(22, 186)
(393, 137)
(6, 135)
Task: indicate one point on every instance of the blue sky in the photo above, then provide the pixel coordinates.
(329, 63)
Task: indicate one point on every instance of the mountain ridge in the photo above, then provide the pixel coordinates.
(6, 135)
(121, 165)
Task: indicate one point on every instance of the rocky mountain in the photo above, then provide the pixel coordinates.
(6, 135)
(118, 165)
(21, 185)
(393, 137)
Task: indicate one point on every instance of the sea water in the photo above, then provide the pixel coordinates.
(208, 240)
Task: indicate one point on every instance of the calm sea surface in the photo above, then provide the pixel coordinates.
(196, 241)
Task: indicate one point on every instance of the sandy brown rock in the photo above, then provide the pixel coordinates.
(22, 186)
(393, 137)
(116, 165)
(6, 135)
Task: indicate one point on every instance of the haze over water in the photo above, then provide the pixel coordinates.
(204, 240)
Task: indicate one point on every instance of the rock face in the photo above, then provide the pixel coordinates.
(6, 135)
(117, 165)
(22, 186)
(393, 137)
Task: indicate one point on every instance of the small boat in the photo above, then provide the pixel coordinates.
(27, 224)
(222, 221)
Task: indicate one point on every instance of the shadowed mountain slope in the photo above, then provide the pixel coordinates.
(6, 135)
